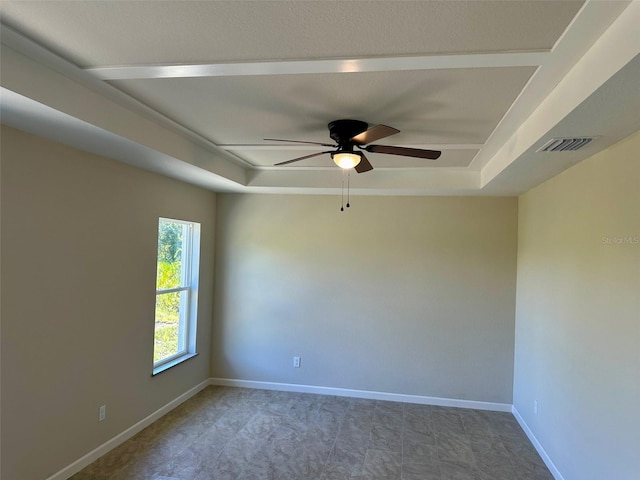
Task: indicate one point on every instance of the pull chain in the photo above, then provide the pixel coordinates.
(348, 178)
(342, 206)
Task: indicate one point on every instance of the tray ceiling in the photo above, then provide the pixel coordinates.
(203, 83)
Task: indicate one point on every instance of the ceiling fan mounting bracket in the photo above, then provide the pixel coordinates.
(342, 131)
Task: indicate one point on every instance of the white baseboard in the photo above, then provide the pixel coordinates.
(93, 455)
(372, 395)
(538, 446)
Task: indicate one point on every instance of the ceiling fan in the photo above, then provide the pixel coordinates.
(352, 134)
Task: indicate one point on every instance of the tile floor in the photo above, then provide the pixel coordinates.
(231, 433)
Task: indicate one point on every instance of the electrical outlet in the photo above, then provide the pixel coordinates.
(296, 362)
(102, 413)
(535, 407)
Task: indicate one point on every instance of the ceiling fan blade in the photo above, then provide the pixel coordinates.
(364, 165)
(299, 141)
(303, 158)
(407, 152)
(374, 133)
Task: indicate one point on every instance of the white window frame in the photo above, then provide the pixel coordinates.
(190, 275)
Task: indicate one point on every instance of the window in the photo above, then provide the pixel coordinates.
(176, 293)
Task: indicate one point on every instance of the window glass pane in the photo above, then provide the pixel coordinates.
(168, 322)
(170, 254)
(176, 293)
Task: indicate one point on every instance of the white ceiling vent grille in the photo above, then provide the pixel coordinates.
(565, 144)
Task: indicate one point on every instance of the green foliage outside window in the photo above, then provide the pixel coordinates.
(169, 275)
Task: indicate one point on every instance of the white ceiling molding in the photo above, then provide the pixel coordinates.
(44, 86)
(301, 67)
(418, 182)
(15, 41)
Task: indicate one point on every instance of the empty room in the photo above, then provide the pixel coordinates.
(331, 240)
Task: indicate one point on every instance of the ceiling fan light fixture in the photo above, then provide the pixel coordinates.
(346, 160)
(349, 134)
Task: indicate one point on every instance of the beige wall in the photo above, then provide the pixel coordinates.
(412, 295)
(79, 236)
(577, 349)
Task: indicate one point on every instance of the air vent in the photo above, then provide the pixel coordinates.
(565, 144)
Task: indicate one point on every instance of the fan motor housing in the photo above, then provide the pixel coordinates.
(342, 131)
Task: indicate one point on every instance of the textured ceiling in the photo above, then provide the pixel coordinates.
(93, 33)
(203, 83)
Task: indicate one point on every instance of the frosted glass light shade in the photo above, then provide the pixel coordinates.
(346, 160)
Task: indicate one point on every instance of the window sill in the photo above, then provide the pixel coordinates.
(172, 363)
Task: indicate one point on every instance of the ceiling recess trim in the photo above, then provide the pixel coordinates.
(32, 50)
(353, 65)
